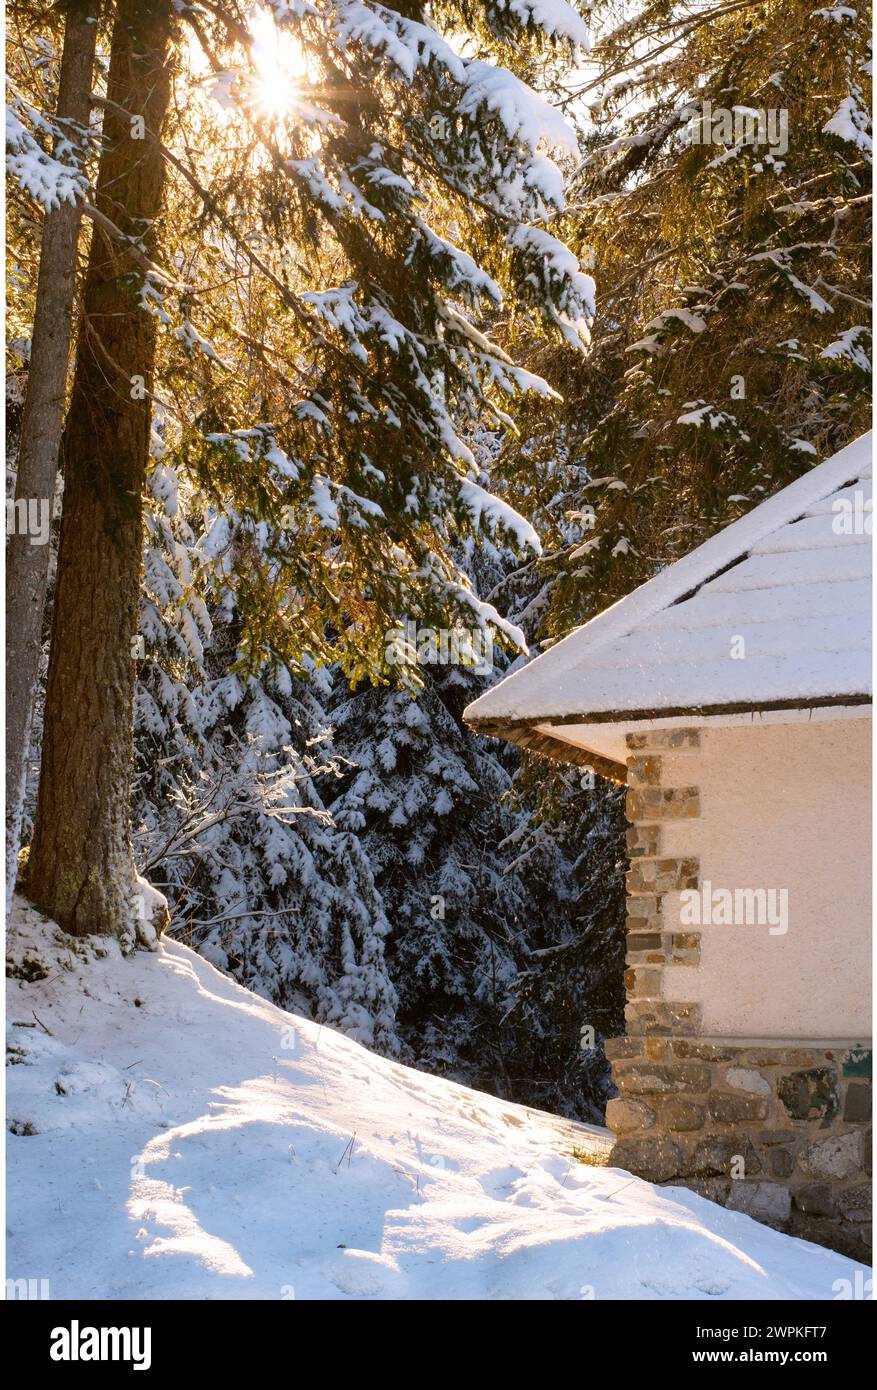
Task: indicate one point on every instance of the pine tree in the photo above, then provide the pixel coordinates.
(567, 844)
(424, 806)
(228, 816)
(570, 990)
(410, 181)
(732, 350)
(279, 813)
(56, 181)
(81, 868)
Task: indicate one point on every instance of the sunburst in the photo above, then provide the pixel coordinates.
(280, 67)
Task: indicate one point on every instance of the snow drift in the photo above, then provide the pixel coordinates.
(174, 1136)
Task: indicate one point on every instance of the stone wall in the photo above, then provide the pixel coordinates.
(778, 1129)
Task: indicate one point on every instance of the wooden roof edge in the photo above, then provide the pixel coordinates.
(526, 734)
(534, 740)
(485, 724)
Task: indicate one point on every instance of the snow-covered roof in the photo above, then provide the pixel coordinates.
(792, 579)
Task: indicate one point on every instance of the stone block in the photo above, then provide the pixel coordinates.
(780, 1057)
(857, 1102)
(645, 941)
(702, 1051)
(814, 1198)
(765, 1201)
(643, 982)
(623, 1116)
(640, 878)
(854, 1203)
(685, 940)
(835, 1156)
(714, 1189)
(666, 1078)
(778, 1136)
(809, 1095)
(662, 1018)
(656, 1159)
(675, 874)
(643, 839)
(662, 804)
(617, 1049)
(729, 1110)
(683, 1116)
(662, 739)
(651, 877)
(781, 1162)
(748, 1080)
(713, 1157)
(643, 905)
(643, 770)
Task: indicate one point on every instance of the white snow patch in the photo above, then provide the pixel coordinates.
(202, 1143)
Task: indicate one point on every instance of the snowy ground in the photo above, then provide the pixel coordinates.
(193, 1141)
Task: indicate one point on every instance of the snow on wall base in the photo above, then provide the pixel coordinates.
(780, 1131)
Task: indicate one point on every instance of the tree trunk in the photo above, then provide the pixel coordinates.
(81, 868)
(27, 555)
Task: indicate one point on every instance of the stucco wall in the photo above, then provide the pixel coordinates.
(783, 806)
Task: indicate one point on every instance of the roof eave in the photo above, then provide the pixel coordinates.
(526, 734)
(531, 734)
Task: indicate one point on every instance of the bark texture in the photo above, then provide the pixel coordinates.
(27, 558)
(81, 868)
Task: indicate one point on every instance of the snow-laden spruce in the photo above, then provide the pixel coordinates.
(737, 349)
(430, 173)
(307, 281)
(359, 856)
